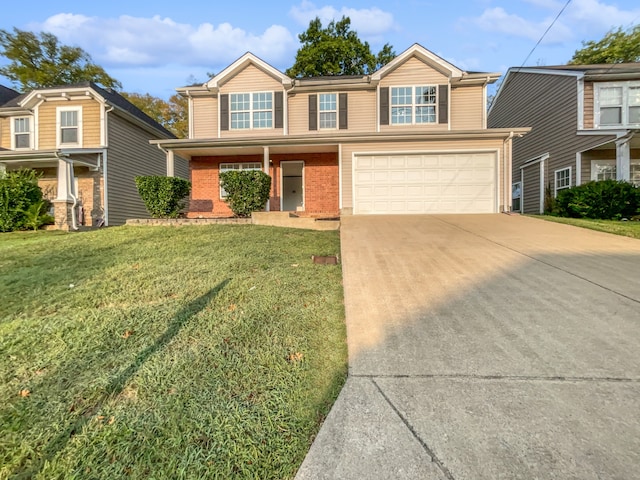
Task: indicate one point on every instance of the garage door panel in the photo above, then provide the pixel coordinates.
(425, 183)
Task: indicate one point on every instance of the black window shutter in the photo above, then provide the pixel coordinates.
(224, 111)
(343, 116)
(384, 105)
(279, 110)
(443, 103)
(313, 112)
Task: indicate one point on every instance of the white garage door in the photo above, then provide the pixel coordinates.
(425, 183)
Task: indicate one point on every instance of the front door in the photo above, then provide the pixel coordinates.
(292, 186)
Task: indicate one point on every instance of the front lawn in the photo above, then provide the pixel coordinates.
(628, 229)
(163, 352)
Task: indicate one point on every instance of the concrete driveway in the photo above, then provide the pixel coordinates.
(485, 347)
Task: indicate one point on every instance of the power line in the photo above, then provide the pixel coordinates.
(546, 31)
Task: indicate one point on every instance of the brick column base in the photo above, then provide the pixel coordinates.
(62, 214)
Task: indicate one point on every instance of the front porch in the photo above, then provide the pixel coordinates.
(71, 181)
(618, 159)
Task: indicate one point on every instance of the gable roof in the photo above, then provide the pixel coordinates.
(240, 64)
(109, 96)
(7, 94)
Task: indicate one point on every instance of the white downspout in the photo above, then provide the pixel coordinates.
(104, 166)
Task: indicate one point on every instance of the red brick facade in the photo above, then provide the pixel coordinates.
(321, 183)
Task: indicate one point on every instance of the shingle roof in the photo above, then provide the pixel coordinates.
(598, 69)
(7, 94)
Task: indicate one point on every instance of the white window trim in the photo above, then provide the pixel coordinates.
(59, 110)
(555, 180)
(625, 104)
(251, 111)
(242, 167)
(336, 111)
(414, 105)
(13, 132)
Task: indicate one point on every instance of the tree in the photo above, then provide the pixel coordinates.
(38, 60)
(172, 115)
(336, 50)
(617, 46)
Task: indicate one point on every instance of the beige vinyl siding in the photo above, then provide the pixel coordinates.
(418, 147)
(588, 105)
(130, 155)
(205, 117)
(467, 108)
(47, 123)
(5, 133)
(298, 106)
(549, 104)
(361, 112)
(413, 72)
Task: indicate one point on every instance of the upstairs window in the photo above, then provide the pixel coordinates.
(328, 110)
(21, 133)
(69, 126)
(413, 105)
(251, 110)
(617, 104)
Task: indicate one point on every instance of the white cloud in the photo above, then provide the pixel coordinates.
(592, 13)
(368, 22)
(498, 20)
(155, 41)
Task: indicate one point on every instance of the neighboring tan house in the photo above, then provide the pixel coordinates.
(585, 121)
(88, 143)
(410, 138)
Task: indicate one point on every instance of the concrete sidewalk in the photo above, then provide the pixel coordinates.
(486, 346)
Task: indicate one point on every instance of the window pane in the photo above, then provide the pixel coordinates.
(328, 102)
(69, 135)
(240, 120)
(240, 102)
(262, 101)
(610, 115)
(426, 95)
(262, 119)
(425, 114)
(634, 114)
(563, 178)
(401, 115)
(328, 120)
(611, 96)
(634, 96)
(69, 118)
(635, 173)
(401, 96)
(22, 141)
(21, 125)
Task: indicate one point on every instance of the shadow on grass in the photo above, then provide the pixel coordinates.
(117, 385)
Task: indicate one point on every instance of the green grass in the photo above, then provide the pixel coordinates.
(193, 352)
(627, 229)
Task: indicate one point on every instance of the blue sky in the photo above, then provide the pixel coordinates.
(154, 48)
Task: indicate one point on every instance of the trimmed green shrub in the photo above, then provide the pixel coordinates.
(605, 199)
(247, 190)
(163, 196)
(18, 191)
(36, 215)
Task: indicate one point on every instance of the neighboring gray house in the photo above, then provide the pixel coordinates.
(585, 123)
(88, 143)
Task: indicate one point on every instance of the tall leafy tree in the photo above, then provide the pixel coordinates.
(38, 60)
(617, 46)
(336, 50)
(172, 114)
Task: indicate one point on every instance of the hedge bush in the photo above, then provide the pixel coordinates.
(163, 196)
(18, 191)
(605, 199)
(247, 190)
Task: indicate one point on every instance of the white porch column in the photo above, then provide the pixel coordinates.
(170, 164)
(65, 179)
(623, 155)
(265, 167)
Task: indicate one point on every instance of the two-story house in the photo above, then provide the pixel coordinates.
(585, 121)
(409, 138)
(88, 144)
